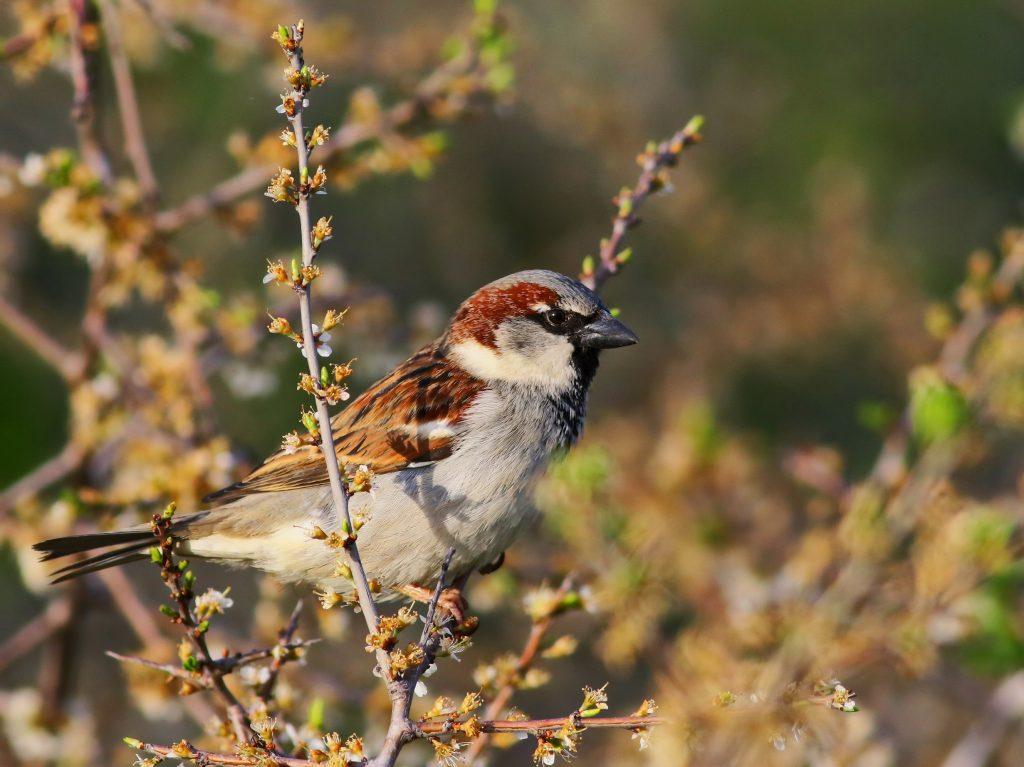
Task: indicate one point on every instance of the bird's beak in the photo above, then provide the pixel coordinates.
(606, 332)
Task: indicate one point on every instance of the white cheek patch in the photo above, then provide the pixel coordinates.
(549, 368)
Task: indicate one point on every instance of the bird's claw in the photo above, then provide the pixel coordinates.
(453, 604)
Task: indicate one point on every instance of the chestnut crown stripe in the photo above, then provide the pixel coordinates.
(481, 314)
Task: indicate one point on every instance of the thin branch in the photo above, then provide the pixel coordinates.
(653, 163)
(41, 477)
(185, 750)
(526, 659)
(58, 661)
(400, 729)
(231, 662)
(223, 665)
(37, 340)
(401, 116)
(170, 669)
(32, 634)
(990, 725)
(547, 725)
(19, 44)
(282, 652)
(183, 598)
(428, 620)
(128, 105)
(83, 109)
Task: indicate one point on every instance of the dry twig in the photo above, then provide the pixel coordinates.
(654, 163)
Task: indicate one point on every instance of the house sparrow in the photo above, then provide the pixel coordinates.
(456, 436)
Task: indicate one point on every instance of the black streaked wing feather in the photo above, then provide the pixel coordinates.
(378, 429)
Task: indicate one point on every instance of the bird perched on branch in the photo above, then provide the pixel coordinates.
(455, 437)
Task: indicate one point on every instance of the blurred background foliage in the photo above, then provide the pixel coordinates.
(857, 153)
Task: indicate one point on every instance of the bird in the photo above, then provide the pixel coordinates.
(456, 438)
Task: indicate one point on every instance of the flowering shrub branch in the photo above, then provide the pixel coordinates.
(449, 728)
(654, 161)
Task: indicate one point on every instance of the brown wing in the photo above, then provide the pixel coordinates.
(404, 419)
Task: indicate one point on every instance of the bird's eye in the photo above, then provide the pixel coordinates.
(555, 317)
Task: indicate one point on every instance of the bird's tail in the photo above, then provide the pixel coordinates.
(129, 546)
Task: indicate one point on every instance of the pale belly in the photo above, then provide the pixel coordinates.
(477, 501)
(414, 518)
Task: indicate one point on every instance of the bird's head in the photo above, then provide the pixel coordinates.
(535, 327)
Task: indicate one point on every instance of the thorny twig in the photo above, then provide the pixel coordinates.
(654, 163)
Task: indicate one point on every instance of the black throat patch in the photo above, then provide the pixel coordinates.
(570, 406)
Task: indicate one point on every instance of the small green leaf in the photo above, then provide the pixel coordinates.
(695, 125)
(315, 717)
(938, 410)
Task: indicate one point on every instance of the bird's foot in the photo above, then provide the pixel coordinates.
(454, 604)
(451, 603)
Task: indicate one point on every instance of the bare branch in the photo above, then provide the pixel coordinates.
(128, 603)
(83, 110)
(546, 725)
(182, 595)
(167, 668)
(185, 750)
(19, 44)
(41, 477)
(280, 653)
(131, 120)
(32, 634)
(38, 341)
